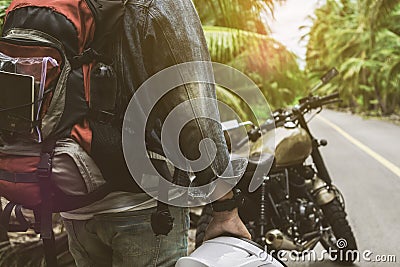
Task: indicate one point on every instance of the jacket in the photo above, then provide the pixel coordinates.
(157, 34)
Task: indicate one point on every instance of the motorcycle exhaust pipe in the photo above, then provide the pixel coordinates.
(278, 240)
(321, 192)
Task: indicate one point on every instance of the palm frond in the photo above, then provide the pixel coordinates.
(226, 43)
(238, 14)
(378, 11)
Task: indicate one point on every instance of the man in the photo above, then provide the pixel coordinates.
(116, 231)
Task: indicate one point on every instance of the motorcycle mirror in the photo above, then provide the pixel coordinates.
(325, 79)
(329, 75)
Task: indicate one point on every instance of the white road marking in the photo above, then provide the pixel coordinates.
(389, 165)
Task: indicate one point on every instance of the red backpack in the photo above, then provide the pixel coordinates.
(58, 93)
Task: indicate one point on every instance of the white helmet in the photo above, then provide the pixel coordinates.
(228, 251)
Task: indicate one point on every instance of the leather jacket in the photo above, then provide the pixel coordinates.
(157, 34)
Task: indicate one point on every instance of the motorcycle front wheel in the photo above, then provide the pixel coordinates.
(339, 239)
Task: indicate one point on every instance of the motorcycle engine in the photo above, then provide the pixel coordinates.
(299, 215)
(306, 218)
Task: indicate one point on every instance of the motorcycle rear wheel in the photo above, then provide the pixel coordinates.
(341, 237)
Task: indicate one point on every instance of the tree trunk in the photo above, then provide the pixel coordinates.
(382, 104)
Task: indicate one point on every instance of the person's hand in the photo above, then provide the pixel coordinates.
(228, 223)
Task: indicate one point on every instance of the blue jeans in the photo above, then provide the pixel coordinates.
(126, 239)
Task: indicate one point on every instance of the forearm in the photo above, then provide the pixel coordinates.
(191, 114)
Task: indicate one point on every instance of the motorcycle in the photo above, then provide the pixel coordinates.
(297, 205)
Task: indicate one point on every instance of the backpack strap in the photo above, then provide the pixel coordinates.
(50, 253)
(108, 16)
(43, 174)
(23, 225)
(18, 177)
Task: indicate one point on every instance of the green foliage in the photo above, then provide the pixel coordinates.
(236, 14)
(234, 102)
(267, 62)
(235, 41)
(227, 45)
(362, 39)
(3, 6)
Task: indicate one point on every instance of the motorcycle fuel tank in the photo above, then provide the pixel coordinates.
(290, 146)
(293, 146)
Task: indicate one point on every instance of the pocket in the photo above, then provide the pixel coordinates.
(103, 89)
(33, 113)
(74, 171)
(107, 153)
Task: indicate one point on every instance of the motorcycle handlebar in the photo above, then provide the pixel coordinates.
(305, 104)
(329, 98)
(316, 102)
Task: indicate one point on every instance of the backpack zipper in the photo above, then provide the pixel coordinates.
(36, 36)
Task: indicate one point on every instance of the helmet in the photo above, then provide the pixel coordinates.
(228, 251)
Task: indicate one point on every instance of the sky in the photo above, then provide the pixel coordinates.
(288, 18)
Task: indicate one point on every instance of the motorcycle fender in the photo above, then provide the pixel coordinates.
(321, 192)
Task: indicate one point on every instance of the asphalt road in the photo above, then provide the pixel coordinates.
(363, 157)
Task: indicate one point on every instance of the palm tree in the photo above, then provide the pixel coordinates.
(237, 36)
(236, 14)
(362, 39)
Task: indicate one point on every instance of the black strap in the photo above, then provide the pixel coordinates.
(161, 220)
(44, 168)
(46, 223)
(23, 225)
(18, 177)
(86, 57)
(108, 16)
(6, 214)
(50, 253)
(43, 173)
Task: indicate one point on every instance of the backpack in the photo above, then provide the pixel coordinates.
(58, 93)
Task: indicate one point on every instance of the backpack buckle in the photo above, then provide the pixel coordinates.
(86, 57)
(45, 165)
